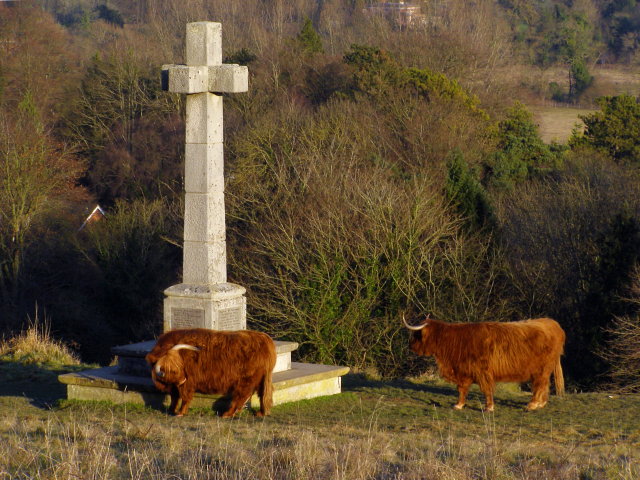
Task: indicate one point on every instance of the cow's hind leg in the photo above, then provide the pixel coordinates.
(238, 399)
(540, 394)
(463, 389)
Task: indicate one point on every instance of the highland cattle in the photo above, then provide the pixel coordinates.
(231, 363)
(489, 352)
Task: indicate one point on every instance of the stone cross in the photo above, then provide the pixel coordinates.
(204, 299)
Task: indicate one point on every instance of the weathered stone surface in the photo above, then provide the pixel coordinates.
(203, 168)
(185, 79)
(228, 78)
(223, 306)
(218, 79)
(218, 291)
(205, 222)
(204, 261)
(204, 118)
(203, 43)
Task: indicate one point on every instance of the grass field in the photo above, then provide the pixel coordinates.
(556, 121)
(555, 124)
(374, 430)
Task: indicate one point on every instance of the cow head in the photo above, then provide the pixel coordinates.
(169, 369)
(419, 335)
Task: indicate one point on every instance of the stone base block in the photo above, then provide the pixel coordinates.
(222, 306)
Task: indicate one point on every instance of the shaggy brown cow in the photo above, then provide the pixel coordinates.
(489, 352)
(235, 364)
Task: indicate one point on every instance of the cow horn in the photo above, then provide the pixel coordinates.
(411, 327)
(183, 346)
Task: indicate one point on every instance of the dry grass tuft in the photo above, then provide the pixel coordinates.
(36, 346)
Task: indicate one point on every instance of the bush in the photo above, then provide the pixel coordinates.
(623, 347)
(520, 154)
(571, 242)
(466, 192)
(335, 240)
(614, 130)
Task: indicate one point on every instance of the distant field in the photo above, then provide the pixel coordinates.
(556, 123)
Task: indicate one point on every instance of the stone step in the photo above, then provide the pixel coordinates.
(131, 357)
(302, 381)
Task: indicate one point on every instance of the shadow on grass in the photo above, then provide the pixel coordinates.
(156, 401)
(435, 394)
(37, 383)
(356, 382)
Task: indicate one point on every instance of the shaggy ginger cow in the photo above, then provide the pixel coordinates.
(234, 364)
(490, 352)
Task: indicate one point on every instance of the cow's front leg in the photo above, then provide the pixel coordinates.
(463, 389)
(186, 395)
(175, 396)
(487, 386)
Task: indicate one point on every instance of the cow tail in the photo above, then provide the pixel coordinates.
(558, 378)
(266, 392)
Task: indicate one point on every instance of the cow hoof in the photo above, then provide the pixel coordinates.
(458, 406)
(488, 409)
(535, 406)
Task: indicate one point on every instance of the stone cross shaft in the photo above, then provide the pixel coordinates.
(204, 78)
(204, 299)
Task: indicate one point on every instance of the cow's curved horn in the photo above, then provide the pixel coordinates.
(412, 327)
(184, 346)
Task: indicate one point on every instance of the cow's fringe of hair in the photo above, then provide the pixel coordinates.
(171, 362)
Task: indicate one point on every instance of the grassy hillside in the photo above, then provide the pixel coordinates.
(382, 430)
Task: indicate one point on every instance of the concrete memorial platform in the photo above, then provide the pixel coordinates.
(130, 380)
(204, 299)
